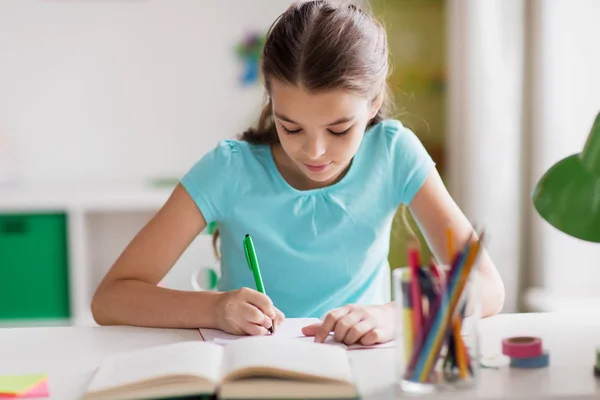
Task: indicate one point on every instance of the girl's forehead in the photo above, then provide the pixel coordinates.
(283, 89)
(294, 101)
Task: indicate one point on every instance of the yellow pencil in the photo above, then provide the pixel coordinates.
(408, 336)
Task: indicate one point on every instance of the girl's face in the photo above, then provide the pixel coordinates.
(319, 132)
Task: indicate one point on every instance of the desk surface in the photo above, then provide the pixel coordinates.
(69, 355)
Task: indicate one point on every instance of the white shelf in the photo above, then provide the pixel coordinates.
(97, 198)
(101, 221)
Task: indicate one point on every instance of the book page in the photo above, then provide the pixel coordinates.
(186, 358)
(299, 358)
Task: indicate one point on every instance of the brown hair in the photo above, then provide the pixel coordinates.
(321, 46)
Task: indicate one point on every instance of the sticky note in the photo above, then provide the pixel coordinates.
(18, 386)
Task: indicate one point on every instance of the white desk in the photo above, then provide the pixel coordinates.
(69, 355)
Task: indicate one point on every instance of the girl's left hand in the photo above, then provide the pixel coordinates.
(350, 324)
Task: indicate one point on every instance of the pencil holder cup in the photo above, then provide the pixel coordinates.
(437, 312)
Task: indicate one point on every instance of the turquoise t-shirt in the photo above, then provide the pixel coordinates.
(317, 249)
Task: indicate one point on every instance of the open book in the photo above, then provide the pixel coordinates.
(253, 367)
(290, 328)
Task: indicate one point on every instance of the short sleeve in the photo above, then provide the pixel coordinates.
(410, 162)
(212, 180)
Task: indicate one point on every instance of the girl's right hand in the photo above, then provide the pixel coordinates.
(246, 312)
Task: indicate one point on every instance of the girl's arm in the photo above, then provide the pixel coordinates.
(435, 210)
(128, 295)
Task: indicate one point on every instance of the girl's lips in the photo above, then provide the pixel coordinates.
(316, 167)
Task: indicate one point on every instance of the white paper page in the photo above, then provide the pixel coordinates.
(308, 339)
(290, 328)
(330, 340)
(288, 354)
(195, 358)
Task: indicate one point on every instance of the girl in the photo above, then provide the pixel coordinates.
(316, 184)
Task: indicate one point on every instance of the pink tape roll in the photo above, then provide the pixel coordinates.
(522, 347)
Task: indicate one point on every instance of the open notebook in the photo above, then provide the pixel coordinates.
(290, 328)
(254, 367)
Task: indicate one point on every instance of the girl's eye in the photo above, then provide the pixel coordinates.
(291, 132)
(339, 133)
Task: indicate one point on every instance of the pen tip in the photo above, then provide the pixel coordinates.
(247, 234)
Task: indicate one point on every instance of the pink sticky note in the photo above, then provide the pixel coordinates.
(39, 390)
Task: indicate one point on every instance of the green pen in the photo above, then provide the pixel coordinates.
(252, 261)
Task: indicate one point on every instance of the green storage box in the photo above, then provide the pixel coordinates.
(34, 281)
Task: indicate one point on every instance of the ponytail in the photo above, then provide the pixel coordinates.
(215, 236)
(265, 132)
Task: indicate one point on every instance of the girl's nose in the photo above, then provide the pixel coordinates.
(314, 148)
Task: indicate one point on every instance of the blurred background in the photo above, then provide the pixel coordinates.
(105, 104)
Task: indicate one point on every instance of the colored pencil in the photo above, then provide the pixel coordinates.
(459, 347)
(407, 314)
(450, 243)
(418, 345)
(415, 290)
(436, 333)
(456, 321)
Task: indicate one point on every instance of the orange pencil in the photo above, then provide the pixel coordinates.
(460, 349)
(450, 243)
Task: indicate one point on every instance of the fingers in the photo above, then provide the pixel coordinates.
(347, 322)
(329, 323)
(280, 317)
(353, 324)
(254, 315)
(311, 330)
(372, 337)
(253, 321)
(260, 301)
(253, 329)
(257, 317)
(357, 331)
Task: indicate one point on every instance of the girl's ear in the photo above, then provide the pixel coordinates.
(376, 105)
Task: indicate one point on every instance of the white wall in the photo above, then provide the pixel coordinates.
(566, 100)
(501, 143)
(485, 62)
(123, 90)
(107, 92)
